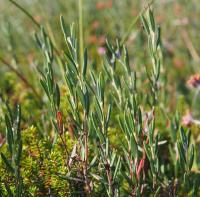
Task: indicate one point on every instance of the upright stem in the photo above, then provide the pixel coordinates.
(110, 180)
(81, 51)
(38, 25)
(130, 28)
(85, 130)
(25, 12)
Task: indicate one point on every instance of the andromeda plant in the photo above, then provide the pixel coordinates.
(108, 130)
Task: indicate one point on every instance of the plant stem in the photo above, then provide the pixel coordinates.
(81, 32)
(110, 181)
(128, 32)
(38, 25)
(25, 12)
(85, 130)
(22, 78)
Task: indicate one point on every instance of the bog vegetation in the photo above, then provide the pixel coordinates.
(102, 116)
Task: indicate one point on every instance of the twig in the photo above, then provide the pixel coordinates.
(81, 32)
(190, 46)
(109, 175)
(85, 130)
(25, 12)
(38, 25)
(125, 37)
(23, 79)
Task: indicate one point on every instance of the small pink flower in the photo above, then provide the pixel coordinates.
(101, 50)
(194, 81)
(104, 5)
(95, 24)
(187, 119)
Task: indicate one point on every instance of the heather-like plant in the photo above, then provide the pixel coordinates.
(106, 141)
(14, 141)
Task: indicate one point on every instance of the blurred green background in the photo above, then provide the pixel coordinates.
(179, 21)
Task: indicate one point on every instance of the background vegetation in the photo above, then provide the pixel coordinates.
(33, 163)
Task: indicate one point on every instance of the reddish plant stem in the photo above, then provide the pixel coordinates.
(60, 128)
(109, 176)
(110, 181)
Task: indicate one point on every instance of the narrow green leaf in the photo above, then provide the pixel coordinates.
(133, 144)
(157, 192)
(181, 152)
(145, 24)
(107, 147)
(93, 160)
(37, 40)
(151, 17)
(188, 137)
(86, 100)
(19, 188)
(158, 41)
(49, 84)
(97, 177)
(114, 154)
(44, 86)
(148, 151)
(57, 96)
(127, 61)
(19, 153)
(63, 27)
(108, 116)
(191, 157)
(71, 65)
(117, 168)
(10, 115)
(80, 95)
(9, 133)
(183, 138)
(98, 109)
(121, 123)
(7, 163)
(69, 84)
(107, 71)
(84, 66)
(109, 46)
(18, 118)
